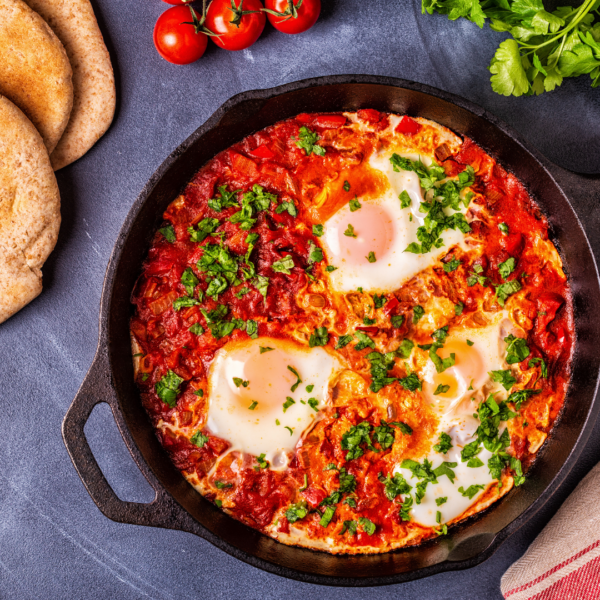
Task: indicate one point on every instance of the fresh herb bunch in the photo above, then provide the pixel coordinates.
(545, 46)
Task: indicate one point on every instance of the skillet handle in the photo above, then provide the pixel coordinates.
(96, 388)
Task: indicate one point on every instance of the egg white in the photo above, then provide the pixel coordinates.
(256, 431)
(382, 227)
(455, 412)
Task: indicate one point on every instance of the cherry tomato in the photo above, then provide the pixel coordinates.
(295, 16)
(236, 23)
(176, 37)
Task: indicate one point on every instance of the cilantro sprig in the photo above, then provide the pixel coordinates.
(545, 46)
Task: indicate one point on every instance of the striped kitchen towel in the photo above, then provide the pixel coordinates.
(563, 563)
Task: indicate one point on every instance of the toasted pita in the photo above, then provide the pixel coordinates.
(29, 209)
(74, 22)
(35, 72)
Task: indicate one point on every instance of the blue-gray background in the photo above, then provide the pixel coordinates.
(54, 542)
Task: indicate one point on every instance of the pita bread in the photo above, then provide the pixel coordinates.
(35, 72)
(29, 209)
(74, 22)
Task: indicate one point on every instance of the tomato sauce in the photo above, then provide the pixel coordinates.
(272, 159)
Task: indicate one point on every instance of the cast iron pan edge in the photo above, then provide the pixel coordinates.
(457, 552)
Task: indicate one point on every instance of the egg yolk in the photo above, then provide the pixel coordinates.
(269, 381)
(456, 380)
(373, 231)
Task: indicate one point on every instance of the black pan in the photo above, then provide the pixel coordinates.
(110, 378)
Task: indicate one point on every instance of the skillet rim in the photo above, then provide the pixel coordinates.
(108, 291)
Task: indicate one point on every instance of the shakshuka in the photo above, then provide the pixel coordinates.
(352, 331)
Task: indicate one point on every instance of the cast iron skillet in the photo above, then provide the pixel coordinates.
(110, 378)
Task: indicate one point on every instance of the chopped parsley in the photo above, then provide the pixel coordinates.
(168, 233)
(307, 141)
(379, 301)
(196, 329)
(320, 337)
(440, 334)
(346, 186)
(397, 321)
(380, 365)
(262, 463)
(252, 203)
(189, 281)
(405, 348)
(310, 388)
(330, 268)
(224, 200)
(394, 485)
(507, 289)
(184, 302)
(507, 267)
(350, 231)
(442, 500)
(199, 439)
(253, 405)
(411, 382)
(516, 349)
(238, 381)
(476, 277)
(298, 382)
(471, 491)
(441, 364)
(543, 367)
(504, 377)
(305, 486)
(458, 309)
(288, 402)
(261, 283)
(441, 389)
(343, 341)
(284, 265)
(263, 349)
(356, 436)
(168, 388)
(371, 257)
(221, 485)
(327, 516)
(368, 321)
(444, 443)
(315, 253)
(318, 230)
(418, 313)
(452, 265)
(367, 526)
(521, 396)
(290, 207)
(297, 512)
(503, 227)
(290, 430)
(405, 200)
(313, 403)
(355, 204)
(204, 229)
(364, 341)
(199, 392)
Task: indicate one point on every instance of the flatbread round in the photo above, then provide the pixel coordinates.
(74, 22)
(29, 209)
(35, 72)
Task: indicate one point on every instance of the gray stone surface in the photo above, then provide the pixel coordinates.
(54, 543)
